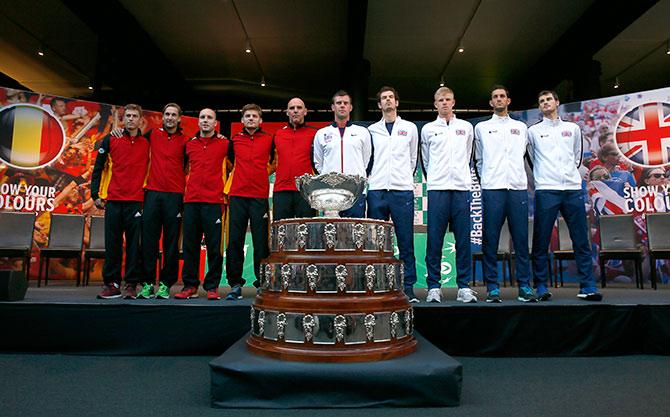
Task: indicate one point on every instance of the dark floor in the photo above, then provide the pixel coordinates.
(62, 385)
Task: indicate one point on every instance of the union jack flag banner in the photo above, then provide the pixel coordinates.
(643, 134)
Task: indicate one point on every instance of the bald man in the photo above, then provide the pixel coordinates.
(206, 159)
(293, 155)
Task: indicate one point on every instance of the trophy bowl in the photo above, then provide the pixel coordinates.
(331, 192)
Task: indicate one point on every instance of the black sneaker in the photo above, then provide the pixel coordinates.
(526, 295)
(543, 293)
(590, 294)
(493, 296)
(409, 292)
(235, 293)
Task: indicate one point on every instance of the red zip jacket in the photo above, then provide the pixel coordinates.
(166, 163)
(293, 150)
(121, 168)
(206, 162)
(252, 156)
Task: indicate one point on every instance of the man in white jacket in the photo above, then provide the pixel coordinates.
(395, 144)
(446, 153)
(500, 146)
(343, 147)
(556, 152)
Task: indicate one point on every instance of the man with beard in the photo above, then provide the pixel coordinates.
(500, 146)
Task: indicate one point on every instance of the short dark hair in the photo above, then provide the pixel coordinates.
(173, 105)
(135, 107)
(55, 99)
(340, 93)
(500, 87)
(545, 92)
(254, 107)
(385, 89)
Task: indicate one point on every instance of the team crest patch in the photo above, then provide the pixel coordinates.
(566, 133)
(402, 133)
(328, 138)
(460, 132)
(515, 131)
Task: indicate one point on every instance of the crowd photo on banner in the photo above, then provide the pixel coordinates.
(624, 169)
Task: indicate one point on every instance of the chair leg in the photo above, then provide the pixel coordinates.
(39, 272)
(560, 272)
(509, 268)
(603, 280)
(26, 266)
(474, 272)
(504, 273)
(79, 271)
(652, 270)
(638, 272)
(46, 271)
(87, 267)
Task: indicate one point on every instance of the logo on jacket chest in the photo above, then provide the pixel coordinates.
(566, 133)
(460, 132)
(402, 133)
(515, 132)
(328, 138)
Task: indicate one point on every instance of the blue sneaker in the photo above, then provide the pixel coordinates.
(235, 293)
(526, 295)
(590, 294)
(493, 296)
(542, 293)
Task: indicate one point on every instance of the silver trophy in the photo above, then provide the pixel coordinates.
(332, 192)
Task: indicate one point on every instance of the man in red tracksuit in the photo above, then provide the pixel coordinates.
(248, 188)
(204, 207)
(293, 154)
(117, 186)
(163, 201)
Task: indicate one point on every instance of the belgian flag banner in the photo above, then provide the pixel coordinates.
(30, 136)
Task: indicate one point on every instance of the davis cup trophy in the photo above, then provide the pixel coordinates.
(332, 289)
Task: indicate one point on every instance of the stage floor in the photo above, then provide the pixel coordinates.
(66, 292)
(67, 319)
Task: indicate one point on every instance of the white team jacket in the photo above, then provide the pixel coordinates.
(500, 146)
(446, 152)
(394, 156)
(556, 152)
(349, 154)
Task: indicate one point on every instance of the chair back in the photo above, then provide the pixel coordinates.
(658, 231)
(564, 240)
(96, 238)
(16, 230)
(617, 232)
(67, 231)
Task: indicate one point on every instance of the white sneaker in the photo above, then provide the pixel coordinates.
(434, 295)
(466, 295)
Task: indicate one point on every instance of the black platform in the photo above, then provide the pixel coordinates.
(425, 378)
(68, 319)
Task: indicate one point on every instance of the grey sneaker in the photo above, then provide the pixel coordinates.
(466, 295)
(434, 295)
